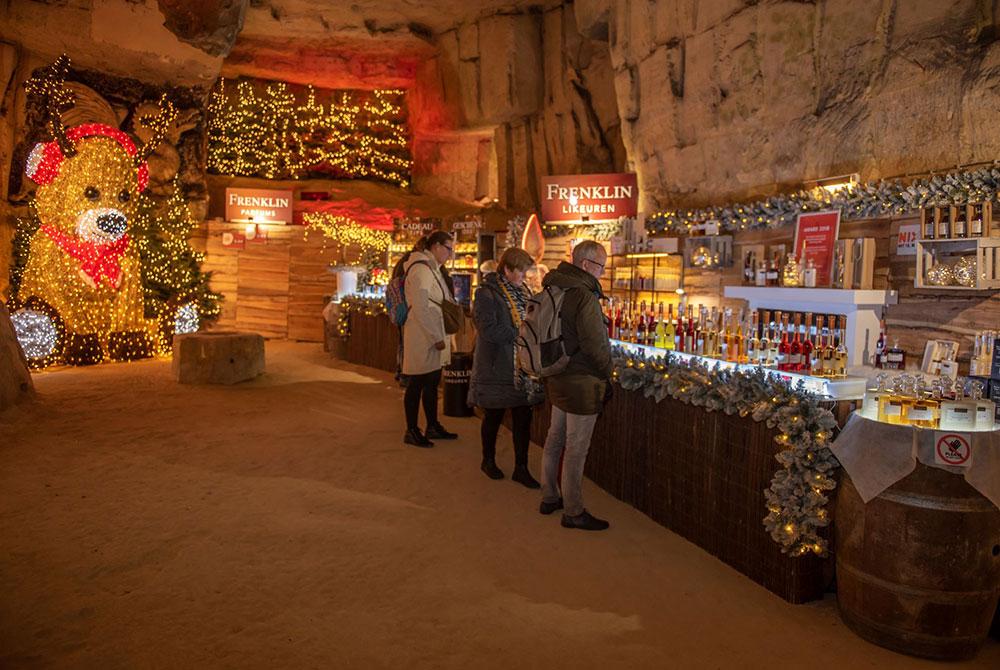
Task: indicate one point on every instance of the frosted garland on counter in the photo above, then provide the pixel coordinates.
(796, 499)
(857, 201)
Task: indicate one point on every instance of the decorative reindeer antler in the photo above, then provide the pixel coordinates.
(159, 125)
(50, 86)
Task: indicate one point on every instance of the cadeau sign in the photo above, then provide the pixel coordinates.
(258, 205)
(598, 197)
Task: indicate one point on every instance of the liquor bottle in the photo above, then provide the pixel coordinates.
(699, 332)
(840, 359)
(880, 346)
(670, 331)
(711, 334)
(805, 360)
(764, 350)
(749, 268)
(689, 340)
(659, 330)
(930, 226)
(610, 314)
(816, 356)
(895, 358)
(753, 341)
(829, 349)
(976, 223)
(640, 324)
(785, 346)
(944, 225)
(619, 323)
(960, 227)
(809, 274)
(774, 353)
(738, 352)
(794, 362)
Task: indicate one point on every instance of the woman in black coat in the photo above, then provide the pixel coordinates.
(496, 384)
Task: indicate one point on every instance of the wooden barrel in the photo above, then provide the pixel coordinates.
(918, 567)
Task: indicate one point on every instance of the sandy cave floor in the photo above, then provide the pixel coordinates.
(282, 524)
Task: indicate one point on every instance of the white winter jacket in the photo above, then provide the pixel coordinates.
(424, 286)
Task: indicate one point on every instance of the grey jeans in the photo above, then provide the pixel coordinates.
(570, 433)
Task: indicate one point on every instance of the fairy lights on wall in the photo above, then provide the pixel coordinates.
(264, 130)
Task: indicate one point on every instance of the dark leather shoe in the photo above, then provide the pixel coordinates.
(416, 438)
(584, 521)
(437, 432)
(550, 507)
(491, 470)
(523, 477)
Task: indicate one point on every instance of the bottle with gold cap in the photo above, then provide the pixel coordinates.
(924, 410)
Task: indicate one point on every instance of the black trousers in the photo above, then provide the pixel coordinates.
(521, 428)
(421, 388)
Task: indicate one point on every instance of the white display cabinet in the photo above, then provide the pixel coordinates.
(864, 310)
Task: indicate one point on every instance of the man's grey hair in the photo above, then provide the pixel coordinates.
(588, 250)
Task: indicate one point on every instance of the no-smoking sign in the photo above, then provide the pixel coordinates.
(953, 449)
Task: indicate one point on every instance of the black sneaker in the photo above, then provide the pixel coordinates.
(491, 470)
(584, 521)
(438, 432)
(550, 507)
(416, 438)
(523, 477)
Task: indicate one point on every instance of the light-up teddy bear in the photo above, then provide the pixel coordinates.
(80, 298)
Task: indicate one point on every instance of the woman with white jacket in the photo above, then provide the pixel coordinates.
(426, 346)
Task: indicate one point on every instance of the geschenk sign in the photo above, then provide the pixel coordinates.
(258, 205)
(598, 197)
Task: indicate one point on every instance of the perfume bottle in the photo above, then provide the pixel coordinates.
(923, 410)
(958, 412)
(873, 397)
(985, 409)
(895, 358)
(890, 407)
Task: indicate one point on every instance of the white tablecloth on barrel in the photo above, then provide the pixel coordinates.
(877, 455)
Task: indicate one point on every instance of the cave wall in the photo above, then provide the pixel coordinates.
(729, 99)
(532, 84)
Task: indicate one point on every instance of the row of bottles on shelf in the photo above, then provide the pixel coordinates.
(774, 272)
(909, 400)
(982, 354)
(789, 343)
(954, 222)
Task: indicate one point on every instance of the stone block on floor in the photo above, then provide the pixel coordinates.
(217, 357)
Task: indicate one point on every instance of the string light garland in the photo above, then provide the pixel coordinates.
(263, 130)
(346, 232)
(856, 201)
(796, 499)
(351, 304)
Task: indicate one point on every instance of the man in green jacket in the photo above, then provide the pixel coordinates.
(576, 394)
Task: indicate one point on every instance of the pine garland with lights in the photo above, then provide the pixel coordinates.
(350, 304)
(264, 130)
(856, 201)
(796, 499)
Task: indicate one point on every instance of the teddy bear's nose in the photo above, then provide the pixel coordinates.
(113, 224)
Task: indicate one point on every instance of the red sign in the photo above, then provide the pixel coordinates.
(815, 239)
(258, 205)
(599, 197)
(233, 240)
(952, 449)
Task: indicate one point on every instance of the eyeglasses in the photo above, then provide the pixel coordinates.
(600, 265)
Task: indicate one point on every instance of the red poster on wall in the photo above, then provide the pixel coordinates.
(815, 239)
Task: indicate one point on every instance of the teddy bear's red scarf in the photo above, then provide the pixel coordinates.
(98, 261)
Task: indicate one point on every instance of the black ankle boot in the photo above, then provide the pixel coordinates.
(490, 468)
(437, 431)
(416, 438)
(522, 476)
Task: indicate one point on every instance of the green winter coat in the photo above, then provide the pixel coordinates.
(580, 388)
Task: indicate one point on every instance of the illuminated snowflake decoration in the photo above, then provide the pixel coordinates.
(36, 332)
(186, 320)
